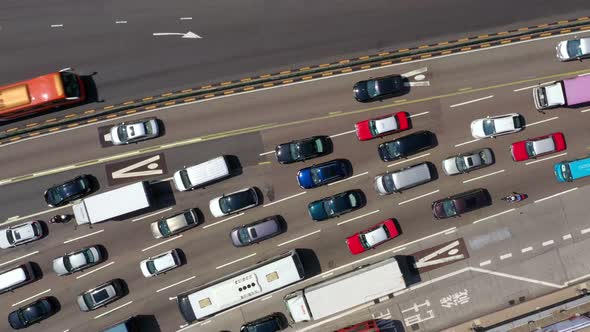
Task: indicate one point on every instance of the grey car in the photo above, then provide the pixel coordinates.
(257, 231)
(101, 295)
(175, 224)
(468, 161)
(573, 49)
(134, 131)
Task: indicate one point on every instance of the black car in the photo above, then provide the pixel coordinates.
(68, 191)
(271, 323)
(455, 205)
(303, 149)
(379, 88)
(234, 202)
(32, 313)
(407, 145)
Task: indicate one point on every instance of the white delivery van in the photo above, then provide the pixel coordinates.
(16, 277)
(202, 174)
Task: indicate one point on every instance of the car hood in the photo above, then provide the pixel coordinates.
(438, 210)
(450, 166)
(378, 185)
(562, 50)
(362, 130)
(215, 208)
(283, 153)
(59, 267)
(317, 211)
(477, 128)
(360, 91)
(354, 244)
(82, 303)
(518, 151)
(235, 239)
(304, 178)
(155, 230)
(4, 244)
(14, 320)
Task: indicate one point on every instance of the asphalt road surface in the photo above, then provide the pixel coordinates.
(239, 38)
(462, 87)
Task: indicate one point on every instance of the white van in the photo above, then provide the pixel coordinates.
(405, 178)
(16, 277)
(202, 174)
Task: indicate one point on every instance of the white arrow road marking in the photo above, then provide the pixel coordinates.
(426, 260)
(124, 172)
(189, 34)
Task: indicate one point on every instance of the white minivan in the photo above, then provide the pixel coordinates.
(202, 174)
(16, 277)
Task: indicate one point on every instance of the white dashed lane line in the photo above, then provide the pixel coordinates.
(284, 199)
(472, 101)
(544, 159)
(409, 159)
(224, 220)
(350, 178)
(555, 195)
(20, 257)
(547, 243)
(541, 121)
(483, 176)
(83, 236)
(161, 243)
(468, 142)
(298, 238)
(418, 197)
(235, 261)
(484, 263)
(505, 256)
(527, 249)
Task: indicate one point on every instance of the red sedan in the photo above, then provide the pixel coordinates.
(538, 146)
(385, 125)
(372, 237)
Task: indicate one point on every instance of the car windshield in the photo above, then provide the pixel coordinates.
(88, 300)
(151, 267)
(163, 227)
(295, 153)
(460, 161)
(352, 199)
(67, 263)
(373, 128)
(566, 172)
(122, 132)
(449, 208)
(328, 207)
(394, 148)
(319, 146)
(530, 149)
(189, 217)
(89, 256)
(488, 127)
(225, 205)
(186, 182)
(71, 84)
(573, 48)
(243, 235)
(9, 237)
(315, 175)
(32, 313)
(388, 183)
(373, 88)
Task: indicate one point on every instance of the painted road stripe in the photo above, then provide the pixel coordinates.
(284, 199)
(18, 218)
(585, 230)
(527, 249)
(555, 195)
(83, 236)
(120, 22)
(266, 298)
(484, 176)
(525, 88)
(471, 101)
(492, 216)
(151, 215)
(484, 263)
(350, 178)
(344, 133)
(542, 121)
(551, 157)
(114, 309)
(57, 25)
(235, 261)
(566, 237)
(32, 297)
(505, 256)
(265, 153)
(299, 238)
(468, 142)
(224, 220)
(97, 269)
(418, 197)
(160, 243)
(355, 218)
(176, 284)
(418, 114)
(547, 243)
(584, 111)
(409, 159)
(21, 257)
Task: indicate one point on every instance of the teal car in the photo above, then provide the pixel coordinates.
(334, 206)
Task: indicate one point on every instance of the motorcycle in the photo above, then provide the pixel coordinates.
(59, 219)
(514, 197)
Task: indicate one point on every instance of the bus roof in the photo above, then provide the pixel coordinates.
(31, 92)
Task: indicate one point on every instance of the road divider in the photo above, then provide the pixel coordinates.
(235, 261)
(161, 243)
(83, 236)
(284, 199)
(95, 270)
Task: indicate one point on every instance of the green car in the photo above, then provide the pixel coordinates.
(334, 206)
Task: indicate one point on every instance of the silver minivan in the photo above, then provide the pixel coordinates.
(405, 178)
(257, 231)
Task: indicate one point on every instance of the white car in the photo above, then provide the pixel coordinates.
(77, 260)
(20, 234)
(159, 264)
(493, 126)
(135, 131)
(573, 49)
(235, 202)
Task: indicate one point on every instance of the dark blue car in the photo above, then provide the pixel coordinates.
(324, 173)
(334, 206)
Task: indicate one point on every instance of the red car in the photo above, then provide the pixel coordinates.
(538, 146)
(372, 237)
(385, 125)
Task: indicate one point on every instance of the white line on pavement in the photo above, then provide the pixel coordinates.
(265, 298)
(527, 249)
(17, 218)
(83, 236)
(472, 101)
(284, 199)
(418, 114)
(224, 220)
(117, 308)
(151, 215)
(584, 111)
(185, 18)
(484, 263)
(235, 261)
(484, 176)
(525, 88)
(505, 256)
(451, 231)
(358, 217)
(20, 257)
(555, 195)
(350, 178)
(468, 142)
(97, 269)
(492, 216)
(542, 121)
(298, 238)
(566, 237)
(585, 230)
(344, 133)
(176, 284)
(409, 159)
(160, 243)
(32, 297)
(547, 243)
(551, 157)
(267, 152)
(120, 22)
(418, 197)
(57, 25)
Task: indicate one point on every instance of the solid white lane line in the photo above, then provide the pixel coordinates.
(161, 243)
(97, 269)
(566, 237)
(355, 218)
(472, 101)
(584, 111)
(547, 243)
(541, 121)
(418, 114)
(117, 308)
(551, 157)
(32, 297)
(350, 178)
(17, 218)
(176, 284)
(120, 22)
(555, 195)
(267, 152)
(83, 236)
(235, 261)
(484, 263)
(224, 220)
(484, 176)
(344, 133)
(505, 256)
(527, 249)
(585, 230)
(151, 215)
(451, 231)
(492, 216)
(409, 159)
(468, 142)
(284, 199)
(298, 238)
(21, 257)
(418, 197)
(57, 25)
(525, 88)
(185, 18)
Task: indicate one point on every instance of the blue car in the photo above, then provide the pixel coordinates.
(324, 173)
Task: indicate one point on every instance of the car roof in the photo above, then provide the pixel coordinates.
(544, 145)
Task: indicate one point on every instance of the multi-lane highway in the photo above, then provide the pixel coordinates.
(461, 88)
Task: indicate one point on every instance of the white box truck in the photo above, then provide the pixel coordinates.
(568, 92)
(364, 284)
(113, 203)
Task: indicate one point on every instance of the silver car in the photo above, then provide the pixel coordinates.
(20, 234)
(161, 263)
(257, 231)
(134, 131)
(468, 161)
(175, 224)
(573, 49)
(77, 260)
(101, 295)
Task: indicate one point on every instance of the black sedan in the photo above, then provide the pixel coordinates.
(32, 313)
(303, 149)
(335, 206)
(379, 88)
(68, 191)
(407, 145)
(457, 204)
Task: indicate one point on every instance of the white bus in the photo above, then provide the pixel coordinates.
(240, 287)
